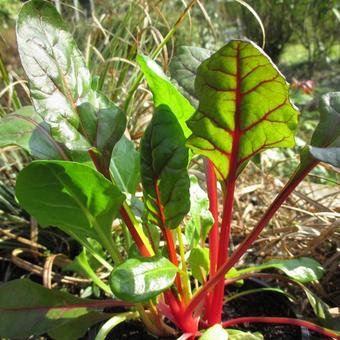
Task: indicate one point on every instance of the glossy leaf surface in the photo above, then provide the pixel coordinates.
(184, 67)
(71, 196)
(26, 129)
(243, 108)
(165, 93)
(58, 77)
(215, 332)
(325, 143)
(27, 308)
(165, 179)
(141, 279)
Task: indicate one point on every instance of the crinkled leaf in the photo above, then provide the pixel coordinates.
(165, 93)
(325, 143)
(303, 269)
(201, 219)
(183, 69)
(27, 308)
(165, 179)
(141, 279)
(125, 166)
(58, 77)
(71, 196)
(244, 108)
(235, 334)
(215, 332)
(199, 263)
(26, 129)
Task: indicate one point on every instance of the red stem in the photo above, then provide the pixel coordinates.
(244, 246)
(286, 321)
(217, 302)
(213, 234)
(213, 207)
(215, 314)
(136, 237)
(168, 236)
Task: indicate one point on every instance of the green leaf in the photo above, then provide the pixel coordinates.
(165, 93)
(303, 269)
(86, 264)
(325, 143)
(235, 334)
(184, 67)
(201, 218)
(125, 166)
(165, 179)
(35, 310)
(56, 70)
(321, 310)
(141, 279)
(215, 332)
(76, 328)
(72, 197)
(199, 263)
(26, 129)
(243, 108)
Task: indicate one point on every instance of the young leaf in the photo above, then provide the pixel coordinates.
(56, 194)
(87, 265)
(184, 67)
(235, 334)
(141, 279)
(165, 179)
(165, 93)
(243, 108)
(325, 143)
(125, 165)
(58, 77)
(215, 332)
(199, 263)
(26, 129)
(321, 310)
(201, 219)
(37, 310)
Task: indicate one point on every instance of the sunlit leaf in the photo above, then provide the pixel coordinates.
(72, 197)
(27, 308)
(140, 279)
(165, 93)
(244, 108)
(215, 332)
(199, 263)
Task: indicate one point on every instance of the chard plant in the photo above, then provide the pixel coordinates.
(169, 261)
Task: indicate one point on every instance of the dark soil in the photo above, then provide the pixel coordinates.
(261, 304)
